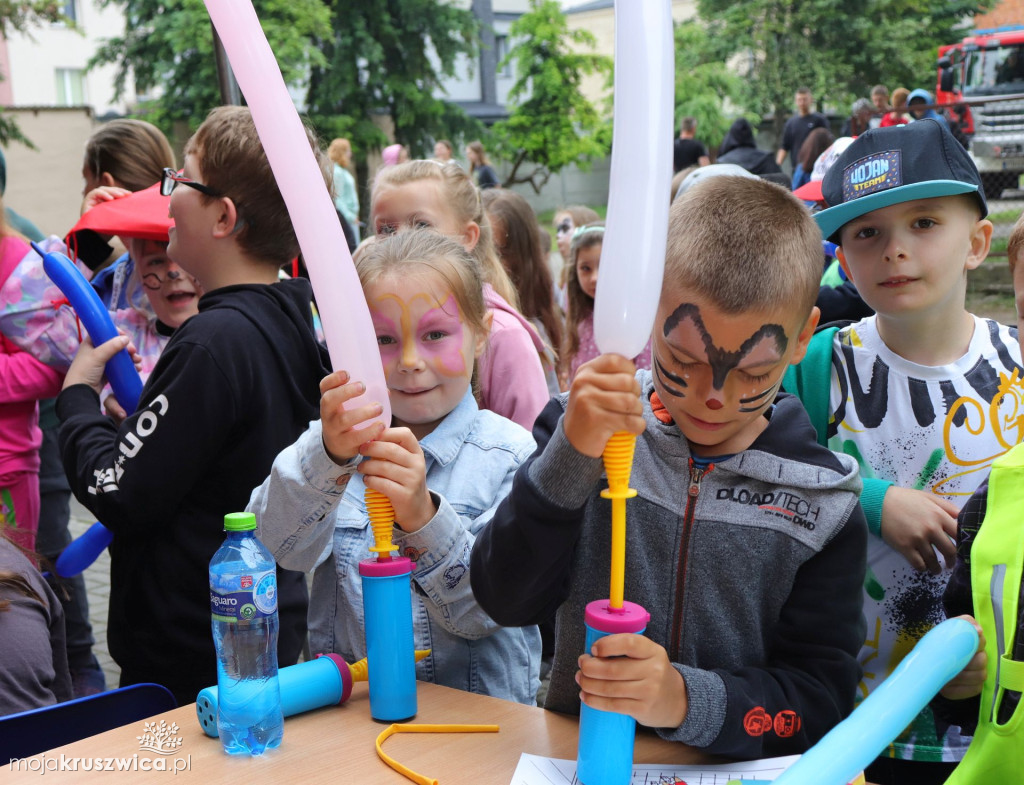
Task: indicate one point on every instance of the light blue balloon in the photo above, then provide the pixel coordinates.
(853, 744)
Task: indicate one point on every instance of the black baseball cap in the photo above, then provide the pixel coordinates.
(886, 166)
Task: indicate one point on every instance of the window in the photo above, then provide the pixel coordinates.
(69, 10)
(70, 87)
(500, 52)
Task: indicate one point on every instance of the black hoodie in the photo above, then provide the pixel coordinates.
(236, 384)
(738, 148)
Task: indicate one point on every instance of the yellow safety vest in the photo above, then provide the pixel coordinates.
(996, 754)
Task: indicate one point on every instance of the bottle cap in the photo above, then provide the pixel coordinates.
(239, 522)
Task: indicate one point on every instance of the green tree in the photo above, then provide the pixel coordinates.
(168, 44)
(552, 124)
(21, 17)
(706, 88)
(839, 50)
(389, 57)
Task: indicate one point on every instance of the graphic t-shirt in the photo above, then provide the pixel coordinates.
(936, 429)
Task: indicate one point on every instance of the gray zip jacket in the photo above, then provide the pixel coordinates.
(751, 570)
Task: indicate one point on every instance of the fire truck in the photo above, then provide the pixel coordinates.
(981, 78)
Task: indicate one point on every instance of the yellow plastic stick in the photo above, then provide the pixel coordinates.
(618, 464)
(382, 520)
(360, 670)
(402, 727)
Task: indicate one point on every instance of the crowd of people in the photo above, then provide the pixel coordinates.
(795, 524)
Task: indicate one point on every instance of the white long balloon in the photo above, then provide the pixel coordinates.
(351, 338)
(633, 252)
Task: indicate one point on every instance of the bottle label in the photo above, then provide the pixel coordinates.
(243, 597)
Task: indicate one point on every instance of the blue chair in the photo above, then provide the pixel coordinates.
(31, 732)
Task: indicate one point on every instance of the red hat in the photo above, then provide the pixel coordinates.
(810, 192)
(142, 214)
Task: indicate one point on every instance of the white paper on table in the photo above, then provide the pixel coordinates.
(537, 770)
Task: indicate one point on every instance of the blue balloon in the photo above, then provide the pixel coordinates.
(849, 748)
(83, 550)
(120, 369)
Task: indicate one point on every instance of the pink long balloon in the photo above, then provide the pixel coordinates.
(351, 339)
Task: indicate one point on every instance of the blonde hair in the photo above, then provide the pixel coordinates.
(746, 245)
(581, 304)
(232, 161)
(340, 152)
(1015, 245)
(133, 152)
(462, 198)
(423, 250)
(581, 215)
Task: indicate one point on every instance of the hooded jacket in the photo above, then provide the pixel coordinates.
(512, 381)
(236, 384)
(926, 97)
(739, 148)
(750, 569)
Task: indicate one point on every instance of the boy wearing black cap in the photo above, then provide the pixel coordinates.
(915, 392)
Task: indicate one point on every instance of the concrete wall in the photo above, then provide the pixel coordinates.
(32, 61)
(45, 185)
(570, 186)
(600, 22)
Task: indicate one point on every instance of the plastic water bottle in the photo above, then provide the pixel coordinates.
(243, 601)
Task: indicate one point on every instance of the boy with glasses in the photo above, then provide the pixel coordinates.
(236, 384)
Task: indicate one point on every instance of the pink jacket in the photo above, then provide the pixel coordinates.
(512, 380)
(23, 381)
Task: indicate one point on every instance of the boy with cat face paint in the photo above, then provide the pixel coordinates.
(746, 541)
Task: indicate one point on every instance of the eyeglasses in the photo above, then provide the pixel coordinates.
(171, 178)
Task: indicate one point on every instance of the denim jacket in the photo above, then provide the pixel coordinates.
(471, 458)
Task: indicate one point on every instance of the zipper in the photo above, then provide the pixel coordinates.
(697, 474)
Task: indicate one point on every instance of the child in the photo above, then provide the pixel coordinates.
(565, 221)
(33, 660)
(480, 165)
(122, 156)
(444, 466)
(23, 381)
(517, 238)
(425, 194)
(958, 598)
(751, 571)
(235, 385)
(913, 392)
(581, 286)
(161, 296)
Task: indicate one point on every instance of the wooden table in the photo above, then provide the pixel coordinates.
(336, 745)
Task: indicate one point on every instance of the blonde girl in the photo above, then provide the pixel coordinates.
(426, 194)
(346, 197)
(581, 287)
(444, 464)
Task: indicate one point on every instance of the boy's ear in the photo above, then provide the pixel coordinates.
(107, 179)
(471, 236)
(981, 241)
(227, 218)
(481, 339)
(804, 338)
(841, 256)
